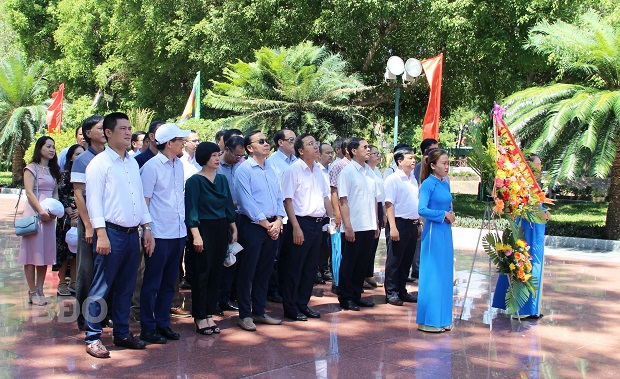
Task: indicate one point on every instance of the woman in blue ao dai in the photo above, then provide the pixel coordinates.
(435, 287)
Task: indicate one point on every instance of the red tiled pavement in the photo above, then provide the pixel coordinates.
(578, 338)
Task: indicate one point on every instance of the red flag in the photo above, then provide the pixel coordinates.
(54, 111)
(433, 68)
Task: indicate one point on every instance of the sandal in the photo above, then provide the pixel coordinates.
(36, 299)
(207, 331)
(63, 290)
(214, 328)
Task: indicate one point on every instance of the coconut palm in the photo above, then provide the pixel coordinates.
(573, 124)
(303, 88)
(21, 111)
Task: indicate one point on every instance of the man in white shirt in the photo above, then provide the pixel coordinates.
(401, 204)
(306, 201)
(284, 156)
(117, 208)
(190, 166)
(358, 192)
(162, 180)
(79, 139)
(280, 161)
(137, 141)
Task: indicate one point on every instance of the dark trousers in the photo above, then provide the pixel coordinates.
(274, 281)
(117, 272)
(400, 256)
(159, 283)
(354, 265)
(84, 270)
(228, 288)
(207, 267)
(256, 262)
(326, 252)
(370, 272)
(415, 265)
(297, 264)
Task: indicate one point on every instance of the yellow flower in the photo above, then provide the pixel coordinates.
(501, 174)
(527, 277)
(512, 267)
(520, 243)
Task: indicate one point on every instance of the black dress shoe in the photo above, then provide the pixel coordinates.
(169, 334)
(394, 300)
(309, 312)
(229, 306)
(534, 317)
(275, 298)
(335, 290)
(349, 305)
(408, 298)
(152, 336)
(363, 303)
(296, 316)
(129, 342)
(410, 279)
(318, 278)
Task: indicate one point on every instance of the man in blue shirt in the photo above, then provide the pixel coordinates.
(260, 221)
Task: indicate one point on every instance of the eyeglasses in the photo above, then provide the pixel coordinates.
(313, 143)
(289, 139)
(261, 141)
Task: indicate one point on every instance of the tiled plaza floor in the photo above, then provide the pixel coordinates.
(579, 337)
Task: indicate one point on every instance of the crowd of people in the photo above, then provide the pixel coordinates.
(157, 211)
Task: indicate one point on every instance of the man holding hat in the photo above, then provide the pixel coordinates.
(163, 182)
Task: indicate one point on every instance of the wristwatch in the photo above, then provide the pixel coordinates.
(147, 228)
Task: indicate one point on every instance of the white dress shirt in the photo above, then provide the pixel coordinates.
(190, 166)
(163, 182)
(402, 192)
(114, 190)
(359, 185)
(306, 188)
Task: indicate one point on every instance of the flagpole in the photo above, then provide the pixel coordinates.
(197, 98)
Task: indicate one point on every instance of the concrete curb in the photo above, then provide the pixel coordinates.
(465, 238)
(9, 191)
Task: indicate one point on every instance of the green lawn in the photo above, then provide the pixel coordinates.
(5, 178)
(568, 218)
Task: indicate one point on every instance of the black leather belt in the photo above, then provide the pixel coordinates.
(312, 219)
(413, 221)
(123, 229)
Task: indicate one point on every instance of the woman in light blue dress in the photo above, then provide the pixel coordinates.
(534, 235)
(436, 281)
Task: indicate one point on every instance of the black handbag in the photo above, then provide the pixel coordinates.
(27, 225)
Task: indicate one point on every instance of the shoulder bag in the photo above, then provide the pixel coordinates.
(27, 225)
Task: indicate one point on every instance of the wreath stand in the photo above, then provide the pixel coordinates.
(488, 219)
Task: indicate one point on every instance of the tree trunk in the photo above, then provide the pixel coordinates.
(18, 165)
(612, 225)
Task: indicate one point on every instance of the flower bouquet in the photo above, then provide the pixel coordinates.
(510, 253)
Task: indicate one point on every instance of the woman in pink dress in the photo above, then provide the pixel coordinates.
(38, 250)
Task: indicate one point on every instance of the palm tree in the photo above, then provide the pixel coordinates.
(573, 124)
(21, 112)
(303, 88)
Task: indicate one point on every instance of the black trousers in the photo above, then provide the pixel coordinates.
(400, 256)
(326, 252)
(354, 265)
(256, 262)
(297, 264)
(207, 267)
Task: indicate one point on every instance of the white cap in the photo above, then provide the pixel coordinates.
(71, 238)
(168, 131)
(53, 206)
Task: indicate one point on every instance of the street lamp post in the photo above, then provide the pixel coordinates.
(409, 70)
